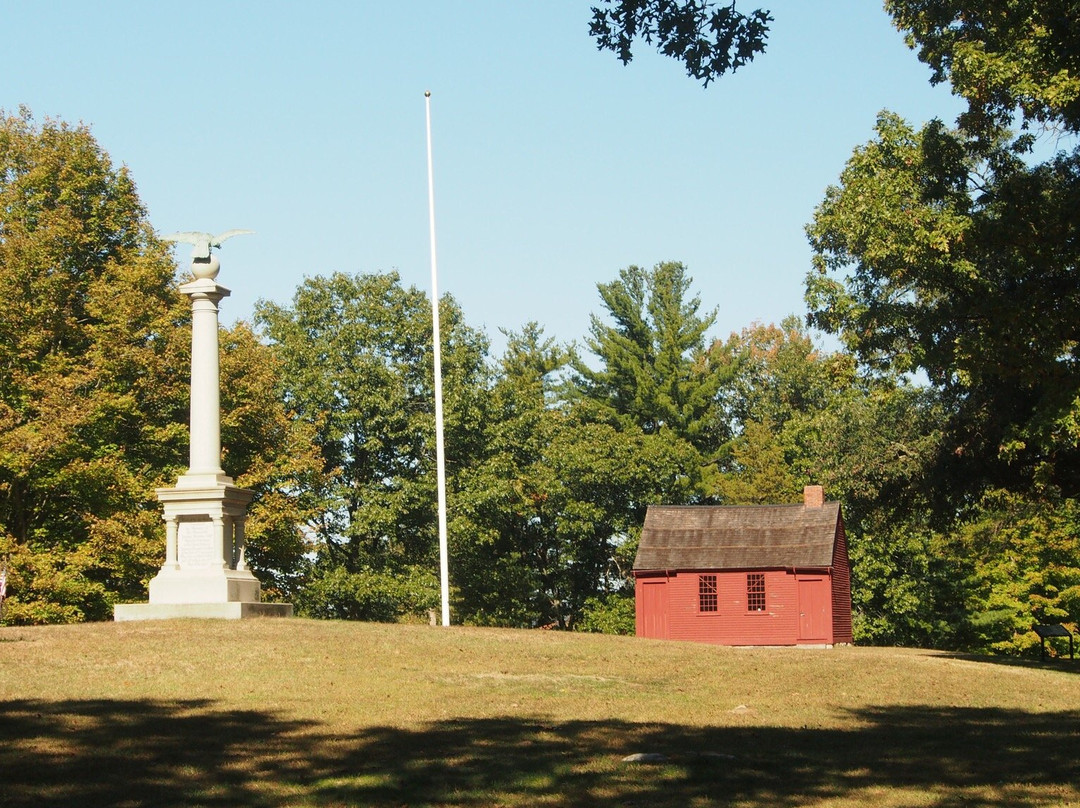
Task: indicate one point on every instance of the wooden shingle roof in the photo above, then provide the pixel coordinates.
(737, 537)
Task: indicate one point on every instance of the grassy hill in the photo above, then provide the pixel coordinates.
(304, 713)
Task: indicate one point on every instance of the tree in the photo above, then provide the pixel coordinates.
(776, 372)
(873, 448)
(709, 40)
(358, 368)
(1003, 56)
(953, 253)
(776, 381)
(540, 522)
(1019, 567)
(655, 372)
(963, 267)
(91, 402)
(962, 250)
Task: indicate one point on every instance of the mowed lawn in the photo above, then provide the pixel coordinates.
(302, 713)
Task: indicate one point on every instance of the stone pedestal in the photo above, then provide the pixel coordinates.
(205, 573)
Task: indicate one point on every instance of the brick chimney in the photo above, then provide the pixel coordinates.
(813, 496)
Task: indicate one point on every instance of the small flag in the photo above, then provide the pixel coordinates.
(3, 583)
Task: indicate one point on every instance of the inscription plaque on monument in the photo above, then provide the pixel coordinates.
(195, 546)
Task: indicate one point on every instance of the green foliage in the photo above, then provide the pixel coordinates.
(951, 253)
(776, 381)
(1021, 564)
(45, 587)
(655, 371)
(959, 264)
(91, 398)
(709, 40)
(777, 372)
(539, 522)
(337, 594)
(1001, 56)
(902, 582)
(755, 469)
(357, 373)
(871, 447)
(608, 614)
(357, 367)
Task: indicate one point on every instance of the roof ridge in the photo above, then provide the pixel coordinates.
(758, 505)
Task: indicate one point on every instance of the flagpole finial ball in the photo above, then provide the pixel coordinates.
(427, 93)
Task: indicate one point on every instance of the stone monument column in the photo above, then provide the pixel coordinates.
(205, 573)
(205, 455)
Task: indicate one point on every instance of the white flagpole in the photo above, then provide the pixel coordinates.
(440, 453)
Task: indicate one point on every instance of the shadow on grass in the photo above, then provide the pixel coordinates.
(189, 753)
(1061, 664)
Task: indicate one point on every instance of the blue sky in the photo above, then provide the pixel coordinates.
(555, 166)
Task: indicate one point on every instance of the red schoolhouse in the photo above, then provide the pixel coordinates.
(745, 575)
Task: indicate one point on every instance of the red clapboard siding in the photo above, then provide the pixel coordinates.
(732, 623)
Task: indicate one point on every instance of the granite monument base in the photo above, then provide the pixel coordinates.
(205, 574)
